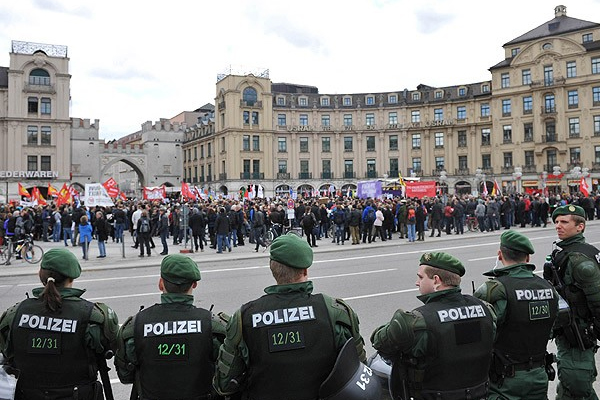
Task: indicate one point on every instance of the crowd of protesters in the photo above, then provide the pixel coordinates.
(223, 224)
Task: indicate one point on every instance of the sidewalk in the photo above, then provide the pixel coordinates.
(115, 260)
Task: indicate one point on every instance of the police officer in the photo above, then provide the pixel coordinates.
(441, 350)
(526, 306)
(55, 337)
(576, 277)
(284, 344)
(168, 351)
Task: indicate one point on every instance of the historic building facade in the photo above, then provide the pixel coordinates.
(536, 123)
(34, 117)
(41, 144)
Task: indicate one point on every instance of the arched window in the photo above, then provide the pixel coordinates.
(39, 77)
(250, 96)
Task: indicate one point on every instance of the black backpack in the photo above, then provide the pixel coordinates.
(144, 225)
(307, 221)
(338, 217)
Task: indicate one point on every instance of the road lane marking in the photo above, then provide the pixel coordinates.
(124, 296)
(482, 258)
(366, 296)
(353, 273)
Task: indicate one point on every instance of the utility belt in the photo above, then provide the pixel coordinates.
(478, 392)
(89, 391)
(503, 366)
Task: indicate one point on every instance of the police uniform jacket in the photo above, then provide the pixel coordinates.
(284, 344)
(581, 276)
(526, 307)
(168, 350)
(56, 350)
(452, 344)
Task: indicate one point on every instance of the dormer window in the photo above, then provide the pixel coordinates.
(281, 101)
(302, 101)
(370, 100)
(514, 51)
(392, 99)
(416, 96)
(547, 46)
(439, 94)
(485, 88)
(347, 101)
(325, 101)
(462, 91)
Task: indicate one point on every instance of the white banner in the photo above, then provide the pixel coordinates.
(96, 195)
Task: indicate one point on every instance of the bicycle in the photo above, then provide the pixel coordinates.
(277, 230)
(472, 224)
(30, 252)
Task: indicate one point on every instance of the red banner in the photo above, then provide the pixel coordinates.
(420, 189)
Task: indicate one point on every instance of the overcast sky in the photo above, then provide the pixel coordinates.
(133, 61)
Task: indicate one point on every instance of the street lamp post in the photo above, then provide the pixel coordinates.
(576, 174)
(544, 183)
(479, 177)
(443, 178)
(517, 175)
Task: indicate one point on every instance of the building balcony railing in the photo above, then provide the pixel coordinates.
(304, 175)
(393, 174)
(417, 172)
(283, 175)
(549, 138)
(223, 176)
(528, 169)
(40, 88)
(487, 170)
(508, 169)
(252, 175)
(436, 172)
(349, 175)
(326, 175)
(201, 180)
(572, 165)
(549, 110)
(371, 174)
(254, 104)
(208, 178)
(595, 167)
(549, 167)
(462, 171)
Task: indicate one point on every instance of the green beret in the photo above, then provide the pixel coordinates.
(179, 269)
(292, 251)
(443, 261)
(62, 261)
(569, 209)
(516, 241)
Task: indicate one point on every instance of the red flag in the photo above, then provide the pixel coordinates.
(111, 187)
(122, 196)
(23, 191)
(186, 192)
(64, 196)
(583, 187)
(37, 196)
(73, 191)
(52, 192)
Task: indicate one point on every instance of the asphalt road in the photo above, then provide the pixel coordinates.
(376, 279)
